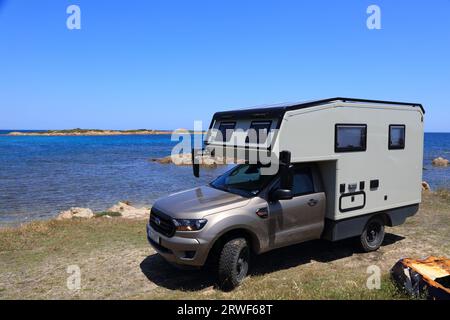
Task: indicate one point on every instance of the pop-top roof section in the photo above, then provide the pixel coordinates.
(280, 109)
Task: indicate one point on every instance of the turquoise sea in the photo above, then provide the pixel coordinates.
(40, 176)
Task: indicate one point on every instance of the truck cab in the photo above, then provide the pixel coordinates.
(241, 206)
(335, 179)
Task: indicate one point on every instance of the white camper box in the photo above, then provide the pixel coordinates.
(369, 153)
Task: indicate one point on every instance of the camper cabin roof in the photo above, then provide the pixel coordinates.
(233, 129)
(279, 110)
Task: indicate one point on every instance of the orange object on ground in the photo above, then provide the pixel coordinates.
(428, 277)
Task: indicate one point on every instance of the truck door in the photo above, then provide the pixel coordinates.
(302, 217)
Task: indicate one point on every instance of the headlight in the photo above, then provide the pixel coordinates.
(189, 224)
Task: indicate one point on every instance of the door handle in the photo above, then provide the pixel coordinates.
(312, 202)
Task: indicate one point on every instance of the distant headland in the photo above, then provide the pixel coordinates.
(96, 132)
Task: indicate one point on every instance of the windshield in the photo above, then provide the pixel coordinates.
(244, 179)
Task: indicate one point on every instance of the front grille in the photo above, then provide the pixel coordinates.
(162, 223)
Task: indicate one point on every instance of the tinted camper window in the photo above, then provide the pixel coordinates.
(260, 131)
(397, 136)
(350, 137)
(226, 129)
(302, 181)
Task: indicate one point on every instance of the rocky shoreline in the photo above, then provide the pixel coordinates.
(97, 132)
(123, 209)
(185, 159)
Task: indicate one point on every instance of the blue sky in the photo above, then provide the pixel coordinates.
(163, 64)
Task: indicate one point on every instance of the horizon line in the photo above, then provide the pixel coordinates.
(141, 129)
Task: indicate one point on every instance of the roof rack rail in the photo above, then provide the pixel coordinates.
(282, 108)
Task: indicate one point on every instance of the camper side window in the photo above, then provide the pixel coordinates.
(226, 129)
(260, 130)
(350, 137)
(397, 136)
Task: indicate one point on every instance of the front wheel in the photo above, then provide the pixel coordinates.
(373, 234)
(234, 263)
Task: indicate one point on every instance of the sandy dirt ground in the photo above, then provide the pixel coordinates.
(116, 262)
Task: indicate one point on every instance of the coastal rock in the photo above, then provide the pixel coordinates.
(165, 160)
(440, 162)
(425, 186)
(75, 213)
(209, 162)
(121, 209)
(185, 159)
(127, 211)
(63, 215)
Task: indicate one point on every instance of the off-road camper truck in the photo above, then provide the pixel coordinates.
(347, 168)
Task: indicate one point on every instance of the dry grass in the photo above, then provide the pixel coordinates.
(116, 262)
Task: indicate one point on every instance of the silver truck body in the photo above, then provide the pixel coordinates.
(352, 180)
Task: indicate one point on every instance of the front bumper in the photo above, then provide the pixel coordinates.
(179, 250)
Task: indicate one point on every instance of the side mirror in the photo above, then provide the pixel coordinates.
(285, 157)
(281, 194)
(195, 164)
(285, 170)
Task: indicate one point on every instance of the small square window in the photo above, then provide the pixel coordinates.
(226, 130)
(350, 137)
(397, 136)
(261, 131)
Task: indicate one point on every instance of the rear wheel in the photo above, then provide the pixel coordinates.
(373, 234)
(234, 263)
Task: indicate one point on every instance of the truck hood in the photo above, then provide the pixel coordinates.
(199, 202)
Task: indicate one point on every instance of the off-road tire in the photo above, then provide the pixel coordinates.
(373, 234)
(234, 263)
